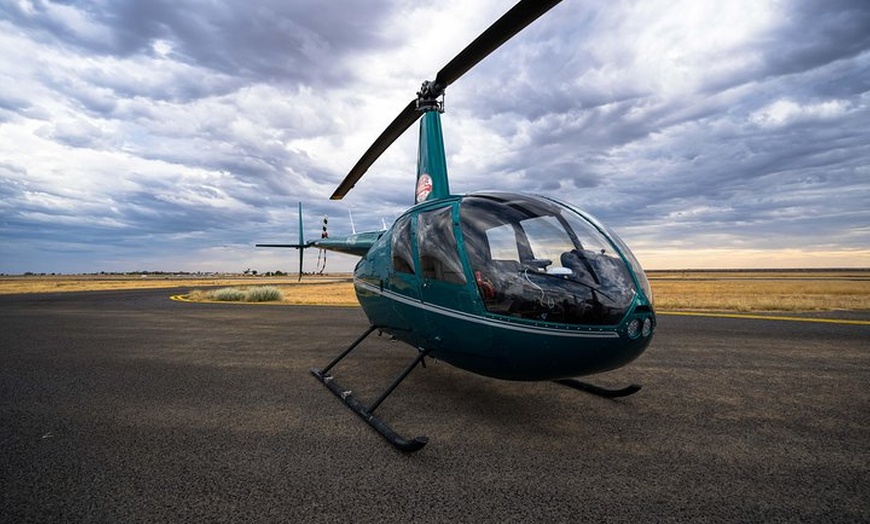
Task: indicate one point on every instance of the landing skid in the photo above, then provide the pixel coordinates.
(367, 412)
(598, 390)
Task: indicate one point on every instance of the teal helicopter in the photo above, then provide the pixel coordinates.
(505, 285)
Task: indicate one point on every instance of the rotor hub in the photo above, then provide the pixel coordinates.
(430, 97)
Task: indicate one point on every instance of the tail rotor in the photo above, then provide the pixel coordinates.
(321, 254)
(300, 246)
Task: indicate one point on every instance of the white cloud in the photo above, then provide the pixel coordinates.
(783, 112)
(687, 125)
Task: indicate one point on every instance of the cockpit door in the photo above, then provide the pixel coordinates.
(444, 288)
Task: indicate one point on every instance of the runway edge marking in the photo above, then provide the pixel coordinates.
(767, 317)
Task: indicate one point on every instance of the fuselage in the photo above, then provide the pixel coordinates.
(510, 286)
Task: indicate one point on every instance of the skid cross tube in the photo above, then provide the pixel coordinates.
(350, 348)
(367, 413)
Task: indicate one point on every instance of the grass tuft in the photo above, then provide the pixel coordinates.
(245, 294)
(262, 294)
(227, 294)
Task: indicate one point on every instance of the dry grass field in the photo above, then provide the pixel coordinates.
(740, 291)
(745, 291)
(59, 283)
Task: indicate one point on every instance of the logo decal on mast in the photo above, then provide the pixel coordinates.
(424, 187)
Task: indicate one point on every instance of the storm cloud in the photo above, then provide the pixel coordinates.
(174, 135)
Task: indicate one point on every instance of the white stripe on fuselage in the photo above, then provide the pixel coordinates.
(483, 320)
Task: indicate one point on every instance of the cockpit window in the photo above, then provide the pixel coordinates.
(400, 246)
(539, 260)
(436, 244)
(502, 242)
(547, 238)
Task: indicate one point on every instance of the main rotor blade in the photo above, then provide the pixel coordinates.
(511, 23)
(521, 15)
(408, 116)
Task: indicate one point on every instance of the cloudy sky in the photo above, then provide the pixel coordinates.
(172, 135)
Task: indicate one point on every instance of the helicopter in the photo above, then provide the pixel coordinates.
(506, 285)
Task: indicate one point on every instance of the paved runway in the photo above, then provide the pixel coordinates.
(129, 407)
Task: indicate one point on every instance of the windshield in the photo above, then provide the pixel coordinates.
(540, 260)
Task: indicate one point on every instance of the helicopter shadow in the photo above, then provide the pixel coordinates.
(457, 405)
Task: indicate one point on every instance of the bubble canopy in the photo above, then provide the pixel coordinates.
(539, 259)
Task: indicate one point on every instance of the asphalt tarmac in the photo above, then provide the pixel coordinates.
(129, 407)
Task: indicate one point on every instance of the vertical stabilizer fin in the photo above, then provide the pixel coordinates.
(301, 242)
(300, 246)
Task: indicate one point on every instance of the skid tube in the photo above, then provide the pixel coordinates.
(367, 412)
